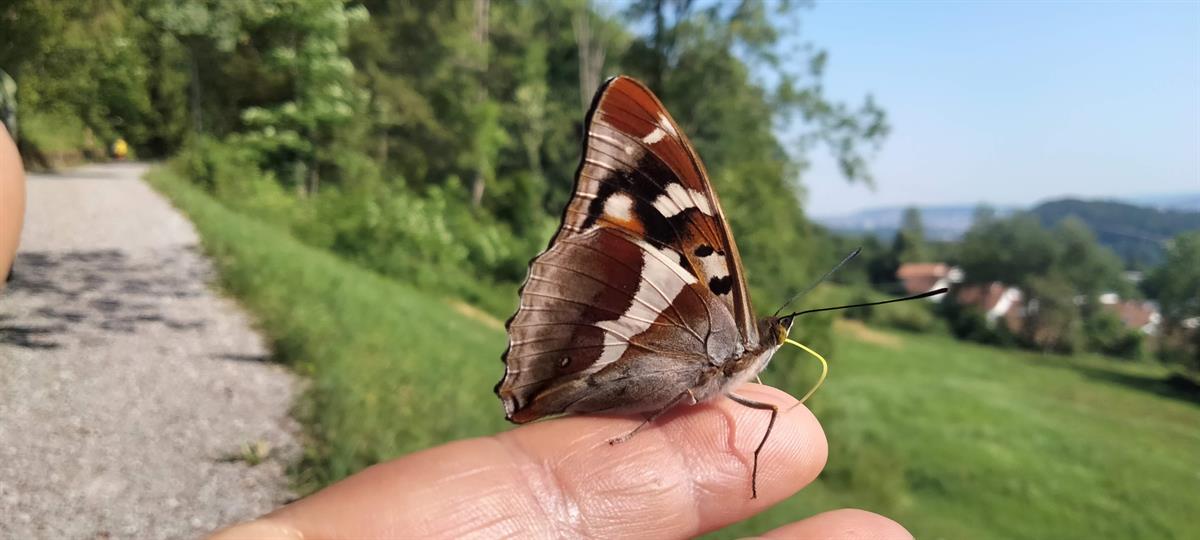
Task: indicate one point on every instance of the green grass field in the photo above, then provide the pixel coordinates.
(952, 439)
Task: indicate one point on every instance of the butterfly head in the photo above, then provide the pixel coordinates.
(777, 329)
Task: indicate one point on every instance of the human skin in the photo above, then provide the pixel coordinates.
(12, 201)
(687, 474)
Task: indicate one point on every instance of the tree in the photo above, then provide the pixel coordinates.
(1012, 251)
(1052, 322)
(1106, 334)
(78, 62)
(1062, 273)
(301, 134)
(204, 29)
(909, 243)
(984, 213)
(385, 105)
(1176, 286)
(1176, 283)
(1092, 269)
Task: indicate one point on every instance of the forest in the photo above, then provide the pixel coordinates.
(436, 142)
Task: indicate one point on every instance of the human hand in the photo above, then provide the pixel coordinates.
(687, 474)
(12, 201)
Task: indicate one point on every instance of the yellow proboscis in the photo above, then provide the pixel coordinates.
(824, 367)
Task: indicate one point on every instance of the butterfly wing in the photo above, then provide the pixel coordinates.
(635, 148)
(642, 275)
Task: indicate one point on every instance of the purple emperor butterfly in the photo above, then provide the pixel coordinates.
(639, 303)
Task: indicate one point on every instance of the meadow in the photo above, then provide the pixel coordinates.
(954, 440)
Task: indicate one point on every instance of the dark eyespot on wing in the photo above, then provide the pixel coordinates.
(720, 285)
(704, 250)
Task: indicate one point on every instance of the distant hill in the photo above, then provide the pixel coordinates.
(1134, 227)
(941, 222)
(1187, 202)
(1136, 233)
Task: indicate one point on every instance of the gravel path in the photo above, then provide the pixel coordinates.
(129, 390)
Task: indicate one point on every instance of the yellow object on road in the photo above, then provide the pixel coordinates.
(120, 149)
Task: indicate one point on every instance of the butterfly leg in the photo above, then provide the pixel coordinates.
(771, 424)
(652, 417)
(758, 379)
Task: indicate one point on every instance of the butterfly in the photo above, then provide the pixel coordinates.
(639, 303)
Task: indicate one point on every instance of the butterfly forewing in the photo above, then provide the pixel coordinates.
(635, 148)
(643, 268)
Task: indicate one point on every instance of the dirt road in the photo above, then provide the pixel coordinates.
(133, 398)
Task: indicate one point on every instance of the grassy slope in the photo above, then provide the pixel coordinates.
(964, 441)
(954, 440)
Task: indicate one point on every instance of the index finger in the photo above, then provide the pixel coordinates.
(686, 474)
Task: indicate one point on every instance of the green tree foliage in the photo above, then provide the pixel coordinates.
(1091, 268)
(306, 41)
(1053, 322)
(970, 323)
(1010, 250)
(79, 62)
(1176, 286)
(983, 214)
(1105, 333)
(437, 141)
(909, 243)
(1062, 271)
(1136, 233)
(1176, 283)
(1018, 249)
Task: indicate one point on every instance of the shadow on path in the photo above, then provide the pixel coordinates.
(98, 291)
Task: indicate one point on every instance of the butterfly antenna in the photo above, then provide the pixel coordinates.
(820, 280)
(865, 304)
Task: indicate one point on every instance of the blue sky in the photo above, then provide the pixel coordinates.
(1014, 102)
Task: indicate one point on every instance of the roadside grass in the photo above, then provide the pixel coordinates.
(392, 369)
(954, 440)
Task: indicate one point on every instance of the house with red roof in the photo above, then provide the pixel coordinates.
(921, 277)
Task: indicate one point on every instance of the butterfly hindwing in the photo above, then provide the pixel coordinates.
(598, 303)
(641, 281)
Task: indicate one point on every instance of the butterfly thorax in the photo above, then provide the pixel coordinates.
(772, 331)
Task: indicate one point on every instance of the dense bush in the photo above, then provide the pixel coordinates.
(1106, 334)
(970, 323)
(429, 237)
